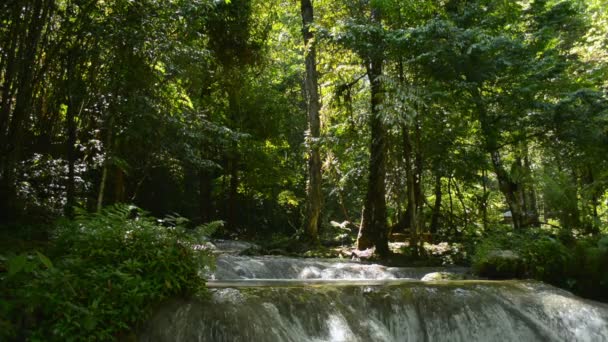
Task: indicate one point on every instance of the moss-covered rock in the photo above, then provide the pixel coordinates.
(443, 276)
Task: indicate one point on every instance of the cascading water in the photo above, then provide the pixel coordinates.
(231, 267)
(289, 299)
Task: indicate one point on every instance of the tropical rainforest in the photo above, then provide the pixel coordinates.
(301, 125)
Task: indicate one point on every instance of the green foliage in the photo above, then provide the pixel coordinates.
(103, 274)
(580, 266)
(533, 254)
(197, 107)
(589, 271)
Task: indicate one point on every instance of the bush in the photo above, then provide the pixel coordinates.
(580, 266)
(589, 270)
(497, 255)
(107, 271)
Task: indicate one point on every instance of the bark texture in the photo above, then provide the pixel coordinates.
(313, 188)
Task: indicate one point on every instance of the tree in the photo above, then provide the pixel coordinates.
(373, 231)
(313, 188)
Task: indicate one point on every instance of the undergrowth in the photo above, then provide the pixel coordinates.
(100, 276)
(579, 265)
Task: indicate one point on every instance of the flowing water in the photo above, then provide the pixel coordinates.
(231, 267)
(289, 299)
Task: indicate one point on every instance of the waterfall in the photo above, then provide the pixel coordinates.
(230, 267)
(289, 299)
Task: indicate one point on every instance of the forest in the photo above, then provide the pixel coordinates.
(130, 130)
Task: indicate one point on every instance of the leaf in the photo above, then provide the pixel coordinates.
(89, 323)
(16, 264)
(44, 260)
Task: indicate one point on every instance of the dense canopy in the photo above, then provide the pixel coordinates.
(426, 121)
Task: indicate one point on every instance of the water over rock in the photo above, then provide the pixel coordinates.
(414, 311)
(230, 267)
(273, 298)
(443, 276)
(234, 247)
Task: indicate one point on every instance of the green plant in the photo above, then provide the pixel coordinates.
(589, 269)
(108, 271)
(580, 266)
(547, 259)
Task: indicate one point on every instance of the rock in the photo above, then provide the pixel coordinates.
(442, 276)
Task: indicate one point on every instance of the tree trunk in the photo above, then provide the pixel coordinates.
(461, 200)
(13, 125)
(484, 200)
(373, 230)
(75, 101)
(205, 187)
(412, 202)
(106, 165)
(231, 220)
(313, 188)
(508, 188)
(119, 185)
(532, 215)
(437, 206)
(71, 158)
(8, 76)
(452, 227)
(102, 186)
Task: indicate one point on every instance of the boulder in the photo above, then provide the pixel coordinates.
(443, 276)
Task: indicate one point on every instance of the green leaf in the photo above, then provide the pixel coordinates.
(44, 260)
(16, 264)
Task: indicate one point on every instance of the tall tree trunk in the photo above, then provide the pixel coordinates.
(436, 206)
(106, 166)
(231, 220)
(102, 186)
(71, 158)
(13, 125)
(373, 230)
(8, 77)
(484, 200)
(532, 215)
(412, 202)
(75, 100)
(313, 188)
(461, 200)
(418, 167)
(119, 185)
(508, 187)
(205, 187)
(452, 226)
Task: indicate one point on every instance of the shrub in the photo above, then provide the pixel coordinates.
(580, 266)
(589, 270)
(534, 254)
(547, 259)
(107, 271)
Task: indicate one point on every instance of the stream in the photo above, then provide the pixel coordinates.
(274, 298)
